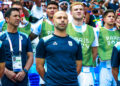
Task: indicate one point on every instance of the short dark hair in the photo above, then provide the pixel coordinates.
(54, 3)
(9, 11)
(108, 11)
(16, 3)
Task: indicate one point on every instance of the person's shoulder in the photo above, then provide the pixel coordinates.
(2, 35)
(89, 26)
(117, 45)
(1, 43)
(46, 38)
(24, 34)
(74, 40)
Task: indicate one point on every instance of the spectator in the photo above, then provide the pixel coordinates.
(65, 6)
(115, 5)
(44, 7)
(117, 22)
(96, 19)
(55, 1)
(24, 25)
(5, 7)
(36, 11)
(102, 6)
(28, 4)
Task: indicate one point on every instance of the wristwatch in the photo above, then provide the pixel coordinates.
(25, 70)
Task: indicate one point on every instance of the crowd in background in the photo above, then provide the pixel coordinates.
(33, 11)
(36, 9)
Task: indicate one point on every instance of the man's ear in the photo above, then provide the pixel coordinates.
(7, 19)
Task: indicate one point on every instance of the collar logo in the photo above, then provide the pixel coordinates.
(55, 43)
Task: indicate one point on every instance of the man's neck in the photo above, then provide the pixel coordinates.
(51, 19)
(11, 29)
(77, 22)
(60, 33)
(108, 26)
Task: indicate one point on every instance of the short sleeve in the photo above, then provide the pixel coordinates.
(2, 53)
(29, 45)
(40, 49)
(79, 52)
(115, 59)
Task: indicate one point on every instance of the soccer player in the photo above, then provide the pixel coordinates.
(63, 55)
(89, 41)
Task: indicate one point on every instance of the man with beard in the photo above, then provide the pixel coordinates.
(65, 6)
(45, 26)
(63, 55)
(18, 51)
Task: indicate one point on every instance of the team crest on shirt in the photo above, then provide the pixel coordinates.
(70, 43)
(55, 43)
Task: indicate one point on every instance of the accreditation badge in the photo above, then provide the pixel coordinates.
(17, 63)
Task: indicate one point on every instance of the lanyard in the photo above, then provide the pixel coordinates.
(10, 43)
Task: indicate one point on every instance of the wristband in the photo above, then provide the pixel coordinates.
(25, 70)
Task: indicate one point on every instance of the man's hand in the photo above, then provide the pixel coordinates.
(11, 75)
(20, 76)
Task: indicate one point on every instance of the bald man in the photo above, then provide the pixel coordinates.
(63, 55)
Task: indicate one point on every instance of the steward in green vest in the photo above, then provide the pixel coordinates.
(89, 41)
(107, 39)
(86, 38)
(45, 26)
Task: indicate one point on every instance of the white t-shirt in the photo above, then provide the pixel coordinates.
(37, 12)
(1, 16)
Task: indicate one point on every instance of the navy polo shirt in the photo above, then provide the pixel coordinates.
(60, 54)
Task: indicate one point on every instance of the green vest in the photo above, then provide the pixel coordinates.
(107, 39)
(26, 29)
(86, 38)
(47, 28)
